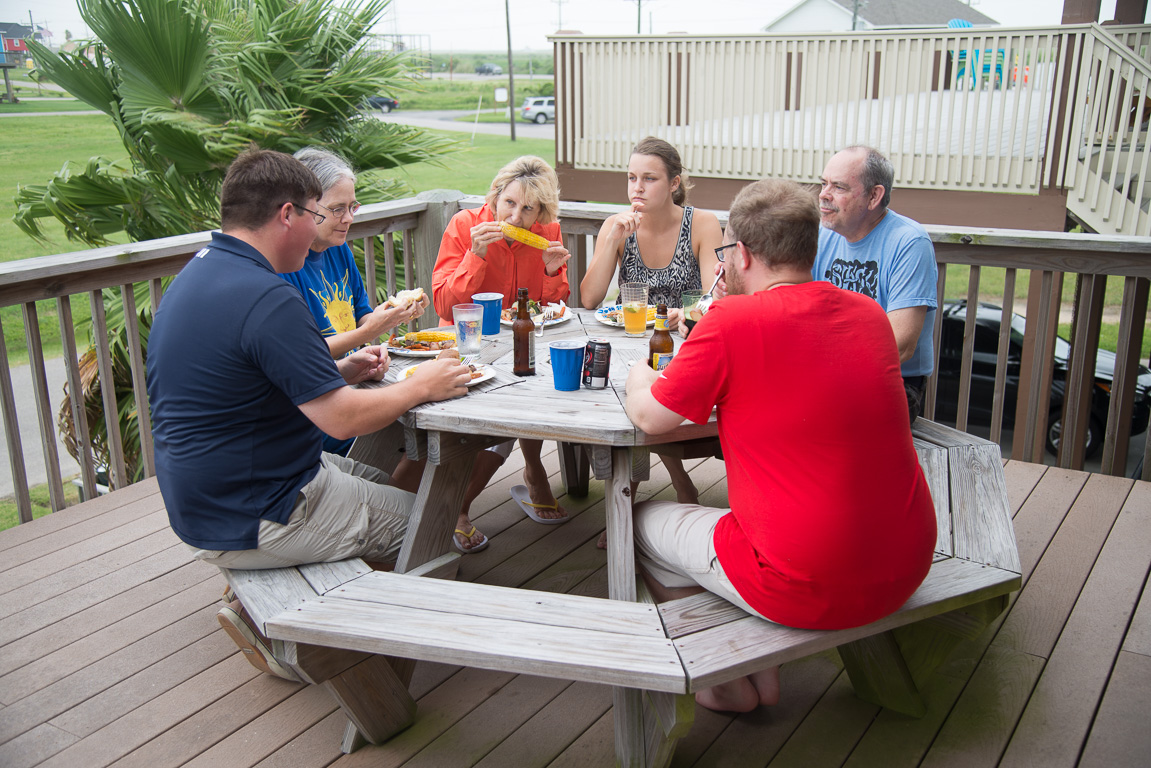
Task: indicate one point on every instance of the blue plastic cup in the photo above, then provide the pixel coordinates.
(567, 359)
(492, 303)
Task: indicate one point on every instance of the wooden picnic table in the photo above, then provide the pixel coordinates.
(356, 632)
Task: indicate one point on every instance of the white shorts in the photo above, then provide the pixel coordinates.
(675, 544)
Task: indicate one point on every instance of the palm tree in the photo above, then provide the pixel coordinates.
(189, 84)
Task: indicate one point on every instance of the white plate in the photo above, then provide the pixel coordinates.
(485, 371)
(601, 315)
(401, 352)
(554, 321)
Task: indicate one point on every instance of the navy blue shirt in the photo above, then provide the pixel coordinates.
(232, 353)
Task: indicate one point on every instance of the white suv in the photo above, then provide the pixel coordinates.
(538, 109)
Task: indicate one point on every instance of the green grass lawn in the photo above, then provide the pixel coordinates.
(465, 94)
(41, 504)
(34, 148)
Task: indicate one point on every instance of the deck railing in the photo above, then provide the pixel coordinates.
(984, 109)
(420, 223)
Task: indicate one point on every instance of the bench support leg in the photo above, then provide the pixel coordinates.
(375, 700)
(889, 669)
(667, 719)
(880, 675)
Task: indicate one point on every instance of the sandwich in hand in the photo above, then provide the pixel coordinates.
(405, 299)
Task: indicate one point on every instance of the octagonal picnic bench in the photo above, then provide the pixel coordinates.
(358, 632)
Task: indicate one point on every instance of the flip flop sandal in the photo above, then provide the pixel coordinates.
(467, 535)
(524, 499)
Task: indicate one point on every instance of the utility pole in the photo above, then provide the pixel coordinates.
(560, 11)
(511, 74)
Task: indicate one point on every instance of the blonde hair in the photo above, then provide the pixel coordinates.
(538, 181)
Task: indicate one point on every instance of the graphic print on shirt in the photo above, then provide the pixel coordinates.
(857, 276)
(337, 302)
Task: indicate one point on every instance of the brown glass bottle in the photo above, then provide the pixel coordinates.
(523, 339)
(661, 346)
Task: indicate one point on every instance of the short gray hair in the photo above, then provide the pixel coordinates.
(329, 167)
(876, 170)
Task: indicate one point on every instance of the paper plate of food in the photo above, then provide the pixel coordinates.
(480, 373)
(427, 343)
(613, 315)
(559, 313)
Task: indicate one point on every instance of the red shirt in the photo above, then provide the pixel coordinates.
(459, 273)
(831, 523)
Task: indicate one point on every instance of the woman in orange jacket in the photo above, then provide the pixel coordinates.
(476, 257)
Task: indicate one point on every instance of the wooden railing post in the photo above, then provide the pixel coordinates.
(442, 205)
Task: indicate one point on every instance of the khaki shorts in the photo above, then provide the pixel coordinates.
(674, 544)
(345, 511)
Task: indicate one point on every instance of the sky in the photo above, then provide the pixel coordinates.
(480, 25)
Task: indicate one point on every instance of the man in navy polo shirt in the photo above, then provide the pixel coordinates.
(241, 384)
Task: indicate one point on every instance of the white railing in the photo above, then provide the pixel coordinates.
(1018, 111)
(953, 109)
(1107, 175)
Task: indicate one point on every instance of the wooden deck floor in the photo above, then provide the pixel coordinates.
(110, 654)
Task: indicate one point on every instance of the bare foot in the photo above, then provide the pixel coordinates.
(602, 542)
(735, 696)
(541, 493)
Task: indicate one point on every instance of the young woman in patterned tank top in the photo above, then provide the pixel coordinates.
(678, 245)
(659, 241)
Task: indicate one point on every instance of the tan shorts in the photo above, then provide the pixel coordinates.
(674, 544)
(345, 511)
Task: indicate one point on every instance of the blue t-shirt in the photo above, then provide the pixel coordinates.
(895, 265)
(334, 292)
(232, 354)
(333, 289)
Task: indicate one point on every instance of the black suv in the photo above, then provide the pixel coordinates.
(987, 320)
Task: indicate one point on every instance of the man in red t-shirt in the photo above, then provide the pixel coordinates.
(831, 523)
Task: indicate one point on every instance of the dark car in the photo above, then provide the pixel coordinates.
(986, 349)
(383, 103)
(489, 69)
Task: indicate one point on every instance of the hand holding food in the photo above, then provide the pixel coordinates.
(554, 258)
(484, 234)
(624, 224)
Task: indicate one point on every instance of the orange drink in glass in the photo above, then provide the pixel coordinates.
(633, 297)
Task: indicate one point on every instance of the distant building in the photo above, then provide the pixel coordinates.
(833, 16)
(13, 36)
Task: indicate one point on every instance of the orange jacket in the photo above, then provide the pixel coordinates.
(459, 273)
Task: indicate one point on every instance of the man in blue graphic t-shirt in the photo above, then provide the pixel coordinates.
(867, 248)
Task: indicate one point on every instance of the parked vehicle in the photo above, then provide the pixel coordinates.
(985, 353)
(383, 103)
(538, 109)
(489, 69)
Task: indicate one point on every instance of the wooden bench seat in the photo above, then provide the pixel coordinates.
(491, 627)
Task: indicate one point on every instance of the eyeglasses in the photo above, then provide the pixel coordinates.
(340, 210)
(319, 216)
(719, 251)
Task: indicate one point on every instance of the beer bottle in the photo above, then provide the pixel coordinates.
(523, 339)
(661, 347)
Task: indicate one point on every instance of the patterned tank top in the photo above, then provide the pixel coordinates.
(664, 285)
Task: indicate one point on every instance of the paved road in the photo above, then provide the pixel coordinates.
(445, 120)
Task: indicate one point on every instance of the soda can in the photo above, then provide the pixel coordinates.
(596, 363)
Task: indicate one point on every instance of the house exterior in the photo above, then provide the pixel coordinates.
(832, 16)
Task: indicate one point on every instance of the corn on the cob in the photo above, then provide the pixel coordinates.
(527, 237)
(429, 335)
